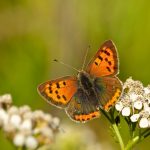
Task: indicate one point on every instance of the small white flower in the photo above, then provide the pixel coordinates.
(126, 111)
(26, 125)
(55, 122)
(147, 108)
(147, 90)
(24, 109)
(133, 96)
(46, 131)
(31, 142)
(137, 105)
(128, 82)
(38, 114)
(144, 123)
(134, 117)
(7, 99)
(3, 117)
(119, 106)
(48, 117)
(19, 139)
(15, 120)
(13, 110)
(27, 115)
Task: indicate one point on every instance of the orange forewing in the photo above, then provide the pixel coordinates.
(60, 91)
(105, 62)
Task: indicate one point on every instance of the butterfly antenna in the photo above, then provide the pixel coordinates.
(85, 57)
(68, 66)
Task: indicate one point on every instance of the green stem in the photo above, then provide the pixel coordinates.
(145, 132)
(131, 143)
(133, 129)
(136, 139)
(120, 140)
(116, 129)
(111, 119)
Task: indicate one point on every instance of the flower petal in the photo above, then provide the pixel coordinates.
(147, 107)
(126, 111)
(133, 96)
(15, 120)
(147, 90)
(144, 123)
(137, 105)
(26, 125)
(19, 139)
(119, 106)
(134, 117)
(31, 142)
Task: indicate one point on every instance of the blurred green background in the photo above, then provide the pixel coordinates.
(34, 32)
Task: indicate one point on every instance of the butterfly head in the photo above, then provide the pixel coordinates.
(82, 74)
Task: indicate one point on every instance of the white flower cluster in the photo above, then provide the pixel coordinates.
(135, 102)
(24, 127)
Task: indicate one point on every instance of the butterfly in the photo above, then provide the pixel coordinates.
(97, 87)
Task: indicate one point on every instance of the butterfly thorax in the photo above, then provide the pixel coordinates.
(85, 81)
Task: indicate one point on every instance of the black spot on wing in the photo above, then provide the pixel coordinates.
(108, 69)
(57, 85)
(107, 53)
(56, 92)
(100, 58)
(109, 62)
(96, 63)
(64, 97)
(64, 83)
(106, 59)
(58, 96)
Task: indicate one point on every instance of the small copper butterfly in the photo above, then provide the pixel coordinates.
(95, 88)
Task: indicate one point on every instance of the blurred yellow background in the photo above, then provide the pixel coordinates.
(34, 32)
